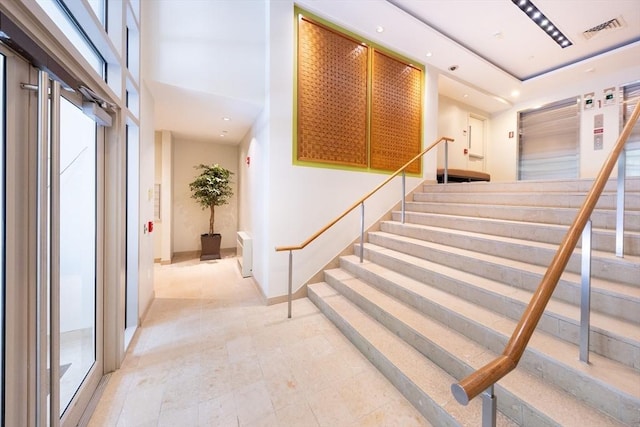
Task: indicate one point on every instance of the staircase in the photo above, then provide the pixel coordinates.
(439, 296)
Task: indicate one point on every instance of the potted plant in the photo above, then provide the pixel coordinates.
(210, 189)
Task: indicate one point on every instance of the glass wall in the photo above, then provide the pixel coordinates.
(133, 197)
(2, 225)
(631, 96)
(64, 328)
(73, 31)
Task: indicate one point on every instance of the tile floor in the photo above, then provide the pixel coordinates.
(209, 353)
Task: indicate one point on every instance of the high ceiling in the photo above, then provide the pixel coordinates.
(205, 59)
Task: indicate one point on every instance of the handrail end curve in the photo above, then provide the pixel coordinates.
(460, 394)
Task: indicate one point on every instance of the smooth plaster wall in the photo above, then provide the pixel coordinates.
(288, 202)
(189, 219)
(166, 198)
(157, 225)
(253, 193)
(146, 292)
(453, 121)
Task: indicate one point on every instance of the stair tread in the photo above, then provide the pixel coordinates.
(602, 368)
(538, 200)
(559, 227)
(554, 403)
(632, 184)
(602, 219)
(596, 282)
(429, 377)
(629, 259)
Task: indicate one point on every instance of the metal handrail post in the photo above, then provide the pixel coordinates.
(489, 408)
(622, 161)
(403, 194)
(361, 232)
(446, 162)
(290, 282)
(585, 293)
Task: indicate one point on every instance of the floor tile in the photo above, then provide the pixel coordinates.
(210, 353)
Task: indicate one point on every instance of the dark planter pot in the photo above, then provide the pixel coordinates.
(210, 246)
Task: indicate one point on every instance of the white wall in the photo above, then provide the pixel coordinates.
(157, 227)
(503, 151)
(453, 121)
(284, 203)
(253, 194)
(591, 160)
(165, 233)
(146, 255)
(189, 219)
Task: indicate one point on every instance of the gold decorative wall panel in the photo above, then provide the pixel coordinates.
(332, 97)
(396, 114)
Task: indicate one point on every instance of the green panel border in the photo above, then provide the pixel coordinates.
(372, 46)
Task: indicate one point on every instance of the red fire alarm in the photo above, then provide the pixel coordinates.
(150, 226)
(466, 151)
(248, 160)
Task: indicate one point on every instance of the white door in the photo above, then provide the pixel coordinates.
(476, 137)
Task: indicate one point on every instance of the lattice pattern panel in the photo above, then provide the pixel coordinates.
(332, 97)
(396, 114)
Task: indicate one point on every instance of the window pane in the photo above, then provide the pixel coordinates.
(632, 97)
(133, 231)
(73, 33)
(98, 9)
(77, 248)
(2, 291)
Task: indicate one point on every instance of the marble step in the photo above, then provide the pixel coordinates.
(572, 185)
(547, 360)
(602, 239)
(538, 199)
(611, 337)
(420, 380)
(438, 244)
(615, 299)
(604, 219)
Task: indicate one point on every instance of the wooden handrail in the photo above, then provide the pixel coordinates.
(362, 199)
(483, 378)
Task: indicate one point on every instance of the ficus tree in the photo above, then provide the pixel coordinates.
(211, 188)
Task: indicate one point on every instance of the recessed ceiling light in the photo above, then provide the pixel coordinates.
(429, 54)
(379, 29)
(222, 135)
(542, 21)
(226, 119)
(466, 95)
(515, 93)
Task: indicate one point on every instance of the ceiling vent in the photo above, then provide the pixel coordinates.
(612, 24)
